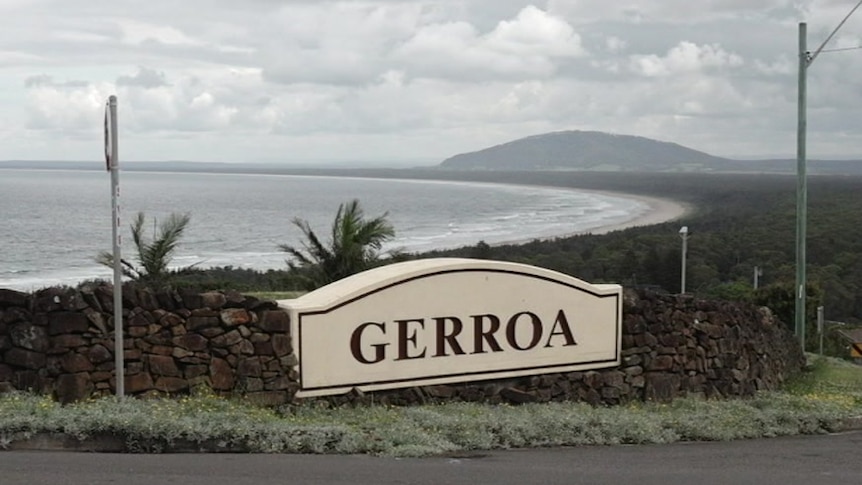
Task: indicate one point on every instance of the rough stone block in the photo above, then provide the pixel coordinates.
(10, 298)
(235, 316)
(249, 367)
(221, 375)
(74, 362)
(27, 359)
(227, 339)
(29, 336)
(170, 384)
(67, 341)
(74, 387)
(275, 321)
(139, 382)
(281, 345)
(163, 365)
(67, 322)
(517, 396)
(661, 387)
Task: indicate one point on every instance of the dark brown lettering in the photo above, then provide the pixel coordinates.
(563, 323)
(480, 335)
(444, 338)
(356, 344)
(405, 338)
(512, 328)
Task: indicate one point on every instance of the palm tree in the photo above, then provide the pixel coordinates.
(354, 246)
(153, 257)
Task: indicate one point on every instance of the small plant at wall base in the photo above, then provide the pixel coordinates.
(354, 246)
(153, 256)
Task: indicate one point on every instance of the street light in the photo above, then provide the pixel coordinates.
(805, 60)
(683, 233)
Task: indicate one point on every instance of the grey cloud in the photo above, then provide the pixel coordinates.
(145, 78)
(40, 80)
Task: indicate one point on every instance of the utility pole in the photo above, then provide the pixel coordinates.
(805, 60)
(758, 272)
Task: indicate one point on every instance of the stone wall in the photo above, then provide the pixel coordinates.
(59, 341)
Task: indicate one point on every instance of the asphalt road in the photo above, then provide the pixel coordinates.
(832, 459)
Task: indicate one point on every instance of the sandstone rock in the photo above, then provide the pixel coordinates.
(74, 362)
(281, 345)
(139, 382)
(29, 336)
(27, 359)
(170, 384)
(68, 341)
(17, 314)
(162, 365)
(661, 387)
(263, 348)
(200, 322)
(192, 371)
(74, 387)
(67, 322)
(213, 300)
(275, 321)
(227, 339)
(5, 373)
(221, 375)
(248, 367)
(211, 332)
(235, 316)
(191, 341)
(516, 396)
(10, 298)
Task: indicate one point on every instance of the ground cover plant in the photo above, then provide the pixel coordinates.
(821, 400)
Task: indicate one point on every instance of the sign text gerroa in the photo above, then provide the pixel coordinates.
(440, 321)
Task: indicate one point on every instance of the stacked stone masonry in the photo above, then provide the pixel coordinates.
(60, 342)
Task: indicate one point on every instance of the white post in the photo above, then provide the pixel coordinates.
(112, 155)
(683, 233)
(758, 272)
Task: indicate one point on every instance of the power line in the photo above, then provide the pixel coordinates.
(842, 49)
(820, 49)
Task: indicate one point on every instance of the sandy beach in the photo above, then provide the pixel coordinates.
(658, 211)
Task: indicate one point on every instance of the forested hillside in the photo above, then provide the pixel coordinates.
(738, 221)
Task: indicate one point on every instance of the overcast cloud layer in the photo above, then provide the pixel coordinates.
(392, 80)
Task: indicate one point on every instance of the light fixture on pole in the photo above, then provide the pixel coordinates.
(805, 60)
(683, 233)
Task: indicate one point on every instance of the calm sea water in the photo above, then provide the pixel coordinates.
(53, 223)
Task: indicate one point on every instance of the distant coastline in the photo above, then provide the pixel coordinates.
(660, 209)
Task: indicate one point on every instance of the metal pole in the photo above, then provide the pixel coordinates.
(820, 324)
(114, 165)
(684, 234)
(756, 276)
(801, 187)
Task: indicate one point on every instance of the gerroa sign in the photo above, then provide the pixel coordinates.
(440, 321)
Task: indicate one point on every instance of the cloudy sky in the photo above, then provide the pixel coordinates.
(415, 80)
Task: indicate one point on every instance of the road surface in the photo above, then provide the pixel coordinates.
(828, 459)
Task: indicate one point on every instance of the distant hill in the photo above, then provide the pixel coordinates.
(585, 150)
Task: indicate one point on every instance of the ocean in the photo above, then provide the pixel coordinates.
(53, 223)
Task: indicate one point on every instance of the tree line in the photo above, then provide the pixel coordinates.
(737, 222)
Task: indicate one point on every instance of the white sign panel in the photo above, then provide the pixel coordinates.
(451, 320)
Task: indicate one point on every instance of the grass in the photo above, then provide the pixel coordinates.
(816, 402)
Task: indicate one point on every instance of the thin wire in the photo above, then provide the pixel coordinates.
(842, 49)
(820, 49)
